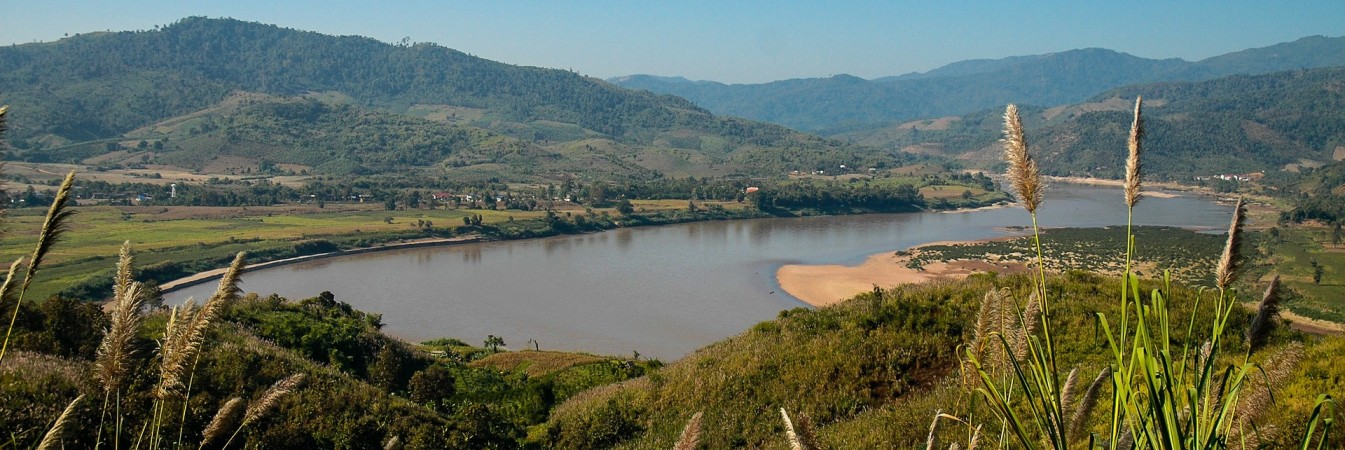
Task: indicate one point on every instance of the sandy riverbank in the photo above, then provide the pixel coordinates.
(823, 285)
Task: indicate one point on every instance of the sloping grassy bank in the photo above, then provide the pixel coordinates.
(872, 372)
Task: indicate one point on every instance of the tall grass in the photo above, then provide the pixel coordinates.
(1170, 389)
(115, 358)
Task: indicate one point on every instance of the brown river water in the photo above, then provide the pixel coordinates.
(662, 291)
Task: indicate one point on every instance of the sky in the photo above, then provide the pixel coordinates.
(746, 41)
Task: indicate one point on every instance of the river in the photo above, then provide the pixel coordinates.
(661, 291)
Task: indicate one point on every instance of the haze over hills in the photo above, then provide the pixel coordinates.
(1231, 125)
(205, 89)
(844, 103)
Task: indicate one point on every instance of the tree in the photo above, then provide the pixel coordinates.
(624, 207)
(433, 386)
(413, 200)
(494, 342)
(386, 368)
(1335, 235)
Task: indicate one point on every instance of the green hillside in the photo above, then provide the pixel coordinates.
(1233, 125)
(836, 104)
(222, 88)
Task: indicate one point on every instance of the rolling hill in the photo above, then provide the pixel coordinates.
(1232, 125)
(203, 89)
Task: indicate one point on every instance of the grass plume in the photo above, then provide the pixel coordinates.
(1079, 422)
(691, 434)
(800, 438)
(1264, 321)
(186, 330)
(55, 436)
(1229, 260)
(52, 228)
(1023, 173)
(393, 444)
(1132, 180)
(225, 419)
(112, 363)
(271, 399)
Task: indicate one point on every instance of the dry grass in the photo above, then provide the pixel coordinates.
(1230, 259)
(1023, 173)
(1132, 180)
(535, 363)
(691, 435)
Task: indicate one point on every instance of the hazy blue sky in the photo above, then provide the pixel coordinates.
(734, 41)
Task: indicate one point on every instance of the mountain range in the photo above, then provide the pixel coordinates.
(227, 94)
(1282, 121)
(844, 103)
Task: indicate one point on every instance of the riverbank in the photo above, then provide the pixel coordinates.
(824, 285)
(215, 274)
(514, 230)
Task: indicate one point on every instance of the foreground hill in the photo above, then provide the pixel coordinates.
(874, 371)
(1232, 125)
(427, 105)
(830, 105)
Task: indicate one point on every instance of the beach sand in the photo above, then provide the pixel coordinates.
(823, 285)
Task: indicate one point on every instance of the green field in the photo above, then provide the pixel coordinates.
(1290, 252)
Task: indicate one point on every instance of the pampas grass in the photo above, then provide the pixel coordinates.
(393, 444)
(1132, 180)
(1162, 397)
(1229, 261)
(1079, 422)
(1023, 173)
(112, 363)
(1264, 320)
(800, 438)
(271, 399)
(225, 419)
(186, 330)
(55, 436)
(691, 434)
(52, 228)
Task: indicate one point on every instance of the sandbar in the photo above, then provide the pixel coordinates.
(823, 285)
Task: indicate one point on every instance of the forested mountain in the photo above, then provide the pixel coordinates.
(1231, 125)
(101, 92)
(840, 103)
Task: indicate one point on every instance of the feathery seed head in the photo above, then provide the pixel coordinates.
(393, 444)
(113, 360)
(1229, 261)
(271, 399)
(1023, 173)
(1264, 321)
(691, 434)
(932, 440)
(52, 227)
(1071, 384)
(1079, 422)
(1132, 182)
(55, 436)
(225, 419)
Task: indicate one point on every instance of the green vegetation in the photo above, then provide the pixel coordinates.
(1186, 254)
(1227, 126)
(221, 95)
(356, 377)
(840, 104)
(1311, 269)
